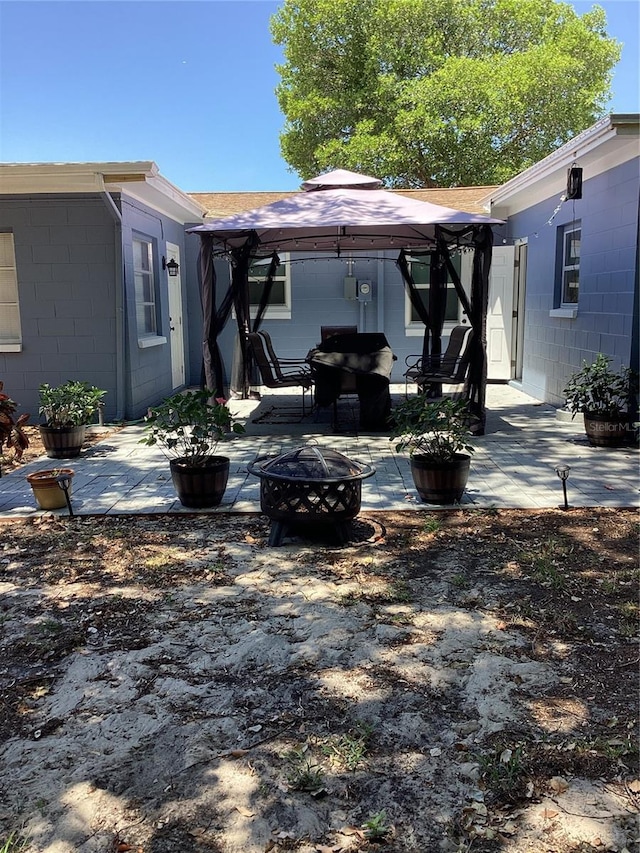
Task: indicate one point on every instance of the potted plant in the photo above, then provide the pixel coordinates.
(188, 427)
(48, 488)
(603, 396)
(12, 432)
(435, 433)
(67, 410)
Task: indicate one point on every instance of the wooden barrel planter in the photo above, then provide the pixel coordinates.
(63, 442)
(440, 482)
(606, 430)
(200, 486)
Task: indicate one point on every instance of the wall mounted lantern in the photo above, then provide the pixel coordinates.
(171, 266)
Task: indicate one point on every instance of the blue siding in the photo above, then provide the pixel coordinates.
(555, 347)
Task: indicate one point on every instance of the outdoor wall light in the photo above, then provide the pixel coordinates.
(171, 266)
(563, 472)
(64, 482)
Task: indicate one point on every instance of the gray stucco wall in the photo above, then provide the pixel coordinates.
(555, 347)
(148, 369)
(64, 257)
(74, 263)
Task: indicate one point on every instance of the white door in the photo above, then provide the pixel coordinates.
(500, 313)
(175, 319)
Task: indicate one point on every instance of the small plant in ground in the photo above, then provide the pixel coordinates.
(502, 772)
(350, 749)
(13, 844)
(459, 581)
(303, 774)
(375, 827)
(431, 525)
(12, 433)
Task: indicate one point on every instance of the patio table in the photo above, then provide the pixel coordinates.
(366, 359)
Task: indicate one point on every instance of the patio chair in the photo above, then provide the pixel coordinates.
(271, 373)
(283, 366)
(453, 366)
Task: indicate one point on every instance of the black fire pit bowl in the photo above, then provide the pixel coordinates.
(310, 486)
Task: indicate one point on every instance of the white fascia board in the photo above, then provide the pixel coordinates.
(31, 178)
(139, 179)
(597, 149)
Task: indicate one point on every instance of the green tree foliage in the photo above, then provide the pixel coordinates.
(437, 92)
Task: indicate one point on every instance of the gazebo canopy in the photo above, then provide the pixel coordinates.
(338, 212)
(344, 211)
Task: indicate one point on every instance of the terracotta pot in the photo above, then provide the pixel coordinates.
(606, 430)
(440, 482)
(46, 489)
(63, 442)
(200, 486)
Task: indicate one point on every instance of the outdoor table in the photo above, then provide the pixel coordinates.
(365, 356)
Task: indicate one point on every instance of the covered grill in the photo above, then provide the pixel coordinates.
(310, 485)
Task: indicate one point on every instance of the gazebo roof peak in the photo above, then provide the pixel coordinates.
(342, 179)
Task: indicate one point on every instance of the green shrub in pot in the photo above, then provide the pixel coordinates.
(67, 409)
(436, 435)
(604, 397)
(188, 427)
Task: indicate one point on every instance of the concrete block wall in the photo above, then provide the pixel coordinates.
(555, 347)
(64, 255)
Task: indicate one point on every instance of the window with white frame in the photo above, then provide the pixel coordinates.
(145, 288)
(570, 270)
(421, 273)
(10, 328)
(279, 306)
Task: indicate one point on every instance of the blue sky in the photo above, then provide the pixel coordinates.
(189, 85)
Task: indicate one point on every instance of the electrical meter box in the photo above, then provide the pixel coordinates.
(365, 291)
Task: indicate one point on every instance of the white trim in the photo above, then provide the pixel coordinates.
(151, 341)
(139, 179)
(10, 347)
(566, 313)
(610, 142)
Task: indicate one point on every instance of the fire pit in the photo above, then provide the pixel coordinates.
(310, 486)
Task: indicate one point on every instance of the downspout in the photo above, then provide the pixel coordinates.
(119, 303)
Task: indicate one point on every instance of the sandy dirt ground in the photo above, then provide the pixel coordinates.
(459, 681)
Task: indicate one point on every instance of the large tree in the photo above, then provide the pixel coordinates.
(437, 92)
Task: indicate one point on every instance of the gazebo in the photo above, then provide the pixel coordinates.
(340, 212)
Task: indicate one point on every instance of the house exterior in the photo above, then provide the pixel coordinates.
(575, 285)
(84, 289)
(85, 292)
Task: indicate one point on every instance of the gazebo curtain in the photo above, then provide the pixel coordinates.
(475, 308)
(214, 318)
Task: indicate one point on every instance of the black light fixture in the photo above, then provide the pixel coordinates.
(171, 266)
(563, 472)
(64, 482)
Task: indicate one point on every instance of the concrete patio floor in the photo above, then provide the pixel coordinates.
(513, 465)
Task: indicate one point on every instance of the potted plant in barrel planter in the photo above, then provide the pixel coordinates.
(188, 427)
(436, 433)
(67, 410)
(603, 396)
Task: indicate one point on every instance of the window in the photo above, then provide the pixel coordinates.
(10, 330)
(279, 307)
(145, 288)
(421, 272)
(570, 273)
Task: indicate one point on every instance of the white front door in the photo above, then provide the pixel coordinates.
(175, 319)
(500, 313)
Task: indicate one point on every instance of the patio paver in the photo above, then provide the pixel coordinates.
(513, 466)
